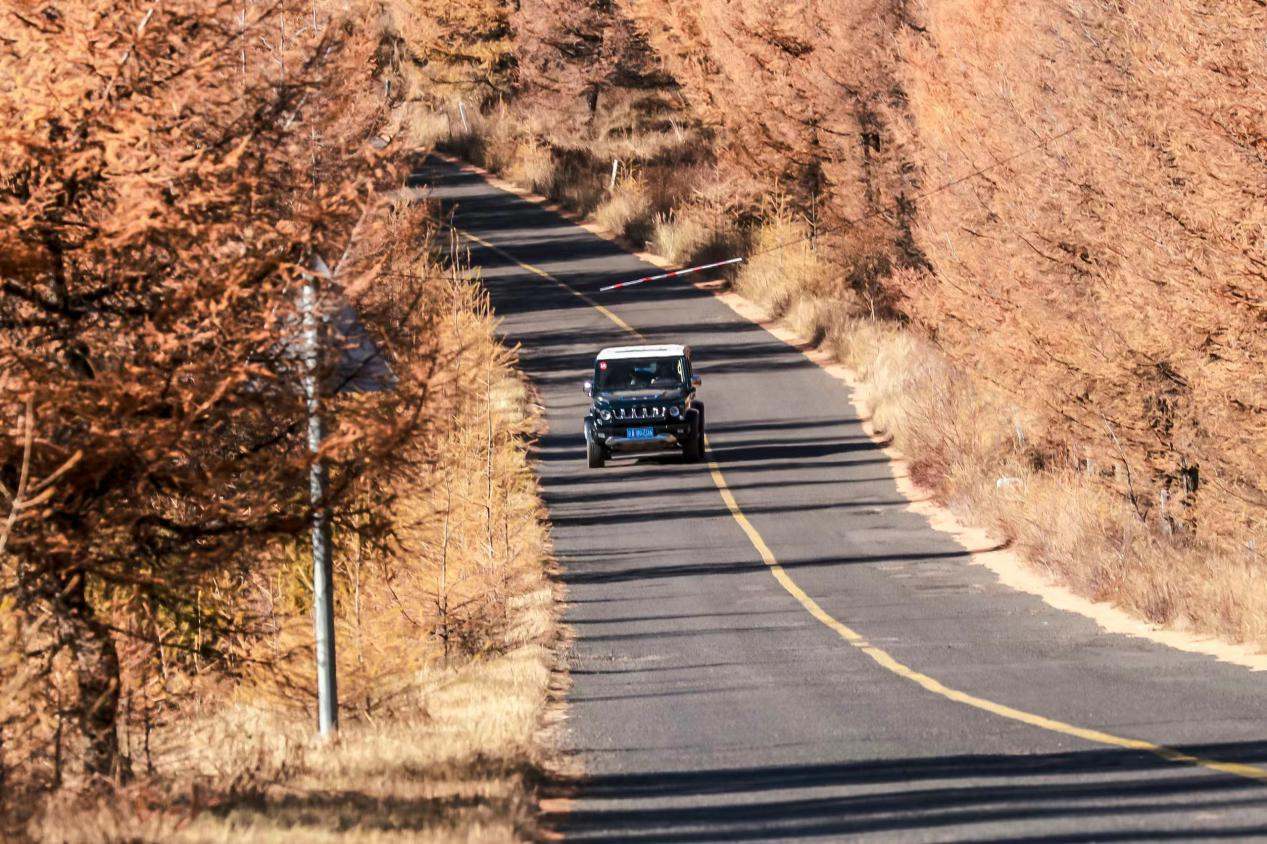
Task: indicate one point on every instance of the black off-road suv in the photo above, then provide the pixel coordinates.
(643, 400)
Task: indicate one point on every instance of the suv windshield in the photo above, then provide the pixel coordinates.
(640, 374)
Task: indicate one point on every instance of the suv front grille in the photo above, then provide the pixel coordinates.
(641, 411)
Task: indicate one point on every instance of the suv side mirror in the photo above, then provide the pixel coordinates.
(696, 381)
(588, 387)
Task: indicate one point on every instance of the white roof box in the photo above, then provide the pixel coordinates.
(669, 351)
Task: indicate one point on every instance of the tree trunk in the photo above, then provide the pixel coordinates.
(96, 676)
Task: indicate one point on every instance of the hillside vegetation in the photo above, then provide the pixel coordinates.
(1037, 231)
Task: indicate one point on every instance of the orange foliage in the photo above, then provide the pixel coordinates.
(166, 171)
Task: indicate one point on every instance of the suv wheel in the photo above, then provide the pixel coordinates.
(594, 452)
(694, 448)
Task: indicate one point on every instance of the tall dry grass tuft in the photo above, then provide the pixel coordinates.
(533, 166)
(680, 236)
(784, 267)
(628, 210)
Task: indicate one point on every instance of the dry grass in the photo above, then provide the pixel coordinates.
(533, 166)
(977, 453)
(775, 277)
(628, 210)
(680, 237)
(424, 127)
(460, 769)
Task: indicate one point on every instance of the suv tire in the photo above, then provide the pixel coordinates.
(694, 448)
(594, 452)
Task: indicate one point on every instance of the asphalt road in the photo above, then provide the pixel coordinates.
(709, 704)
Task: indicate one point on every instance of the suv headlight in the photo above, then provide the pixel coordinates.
(675, 411)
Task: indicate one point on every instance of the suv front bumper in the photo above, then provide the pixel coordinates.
(615, 438)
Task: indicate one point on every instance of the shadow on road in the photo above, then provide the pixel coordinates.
(972, 793)
(613, 574)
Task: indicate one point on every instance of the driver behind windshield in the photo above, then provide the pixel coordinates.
(640, 374)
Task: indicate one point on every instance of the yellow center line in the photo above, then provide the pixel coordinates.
(569, 288)
(882, 657)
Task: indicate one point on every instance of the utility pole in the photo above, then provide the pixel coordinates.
(322, 568)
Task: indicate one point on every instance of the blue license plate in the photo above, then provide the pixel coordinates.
(640, 433)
